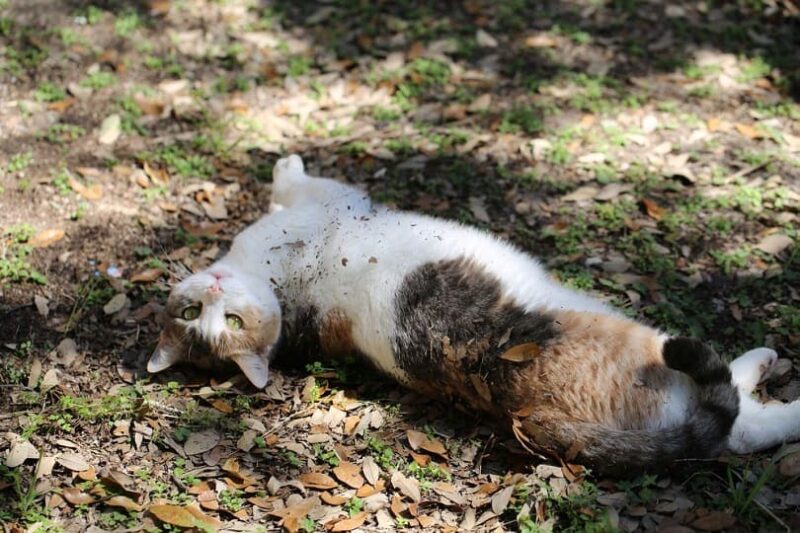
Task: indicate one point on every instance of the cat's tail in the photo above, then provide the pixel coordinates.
(704, 434)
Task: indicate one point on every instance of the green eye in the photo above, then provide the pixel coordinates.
(191, 312)
(233, 321)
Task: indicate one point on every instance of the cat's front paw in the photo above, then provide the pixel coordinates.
(751, 368)
(288, 168)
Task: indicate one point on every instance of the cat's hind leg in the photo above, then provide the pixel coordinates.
(291, 186)
(761, 426)
(751, 368)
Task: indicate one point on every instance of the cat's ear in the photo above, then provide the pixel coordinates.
(164, 356)
(255, 367)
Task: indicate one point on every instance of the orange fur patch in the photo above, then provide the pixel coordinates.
(336, 334)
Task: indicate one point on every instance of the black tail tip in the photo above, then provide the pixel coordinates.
(695, 358)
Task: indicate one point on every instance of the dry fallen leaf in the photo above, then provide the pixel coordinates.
(349, 524)
(173, 515)
(349, 474)
(408, 486)
(332, 499)
(201, 442)
(501, 499)
(20, 452)
(654, 210)
(371, 470)
(418, 440)
(147, 275)
(714, 521)
(46, 237)
(775, 243)
(76, 496)
(317, 480)
(116, 303)
(73, 461)
(203, 521)
(749, 131)
(124, 502)
(293, 514)
(522, 352)
(93, 192)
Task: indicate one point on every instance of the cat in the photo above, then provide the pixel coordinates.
(454, 312)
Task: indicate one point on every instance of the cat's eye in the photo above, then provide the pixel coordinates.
(233, 321)
(191, 312)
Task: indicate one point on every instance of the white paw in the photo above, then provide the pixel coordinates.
(288, 168)
(750, 368)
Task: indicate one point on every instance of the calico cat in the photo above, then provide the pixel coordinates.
(454, 312)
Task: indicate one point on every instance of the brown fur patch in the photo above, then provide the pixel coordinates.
(336, 334)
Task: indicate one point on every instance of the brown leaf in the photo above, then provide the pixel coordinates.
(501, 499)
(522, 353)
(371, 470)
(316, 480)
(173, 515)
(222, 406)
(418, 440)
(713, 124)
(201, 442)
(654, 210)
(408, 486)
(199, 488)
(749, 131)
(76, 496)
(124, 502)
(775, 243)
(263, 503)
(292, 515)
(332, 499)
(714, 521)
(147, 275)
(158, 174)
(397, 506)
(203, 520)
(61, 105)
(149, 106)
(349, 474)
(73, 461)
(350, 424)
(46, 237)
(349, 524)
(422, 459)
(93, 192)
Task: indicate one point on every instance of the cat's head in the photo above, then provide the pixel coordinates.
(218, 316)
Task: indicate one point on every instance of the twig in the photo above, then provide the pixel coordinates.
(747, 170)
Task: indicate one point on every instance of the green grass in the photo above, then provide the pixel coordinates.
(19, 162)
(63, 133)
(14, 253)
(49, 92)
(521, 119)
(99, 80)
(126, 24)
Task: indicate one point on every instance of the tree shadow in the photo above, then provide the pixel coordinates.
(615, 39)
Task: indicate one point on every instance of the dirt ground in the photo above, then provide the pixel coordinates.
(648, 152)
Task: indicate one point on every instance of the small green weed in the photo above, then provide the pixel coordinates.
(19, 162)
(63, 133)
(126, 24)
(49, 92)
(520, 118)
(14, 252)
(99, 80)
